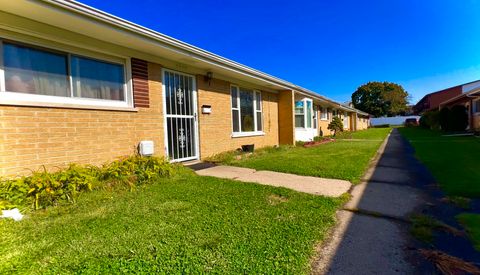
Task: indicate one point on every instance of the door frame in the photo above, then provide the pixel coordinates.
(195, 116)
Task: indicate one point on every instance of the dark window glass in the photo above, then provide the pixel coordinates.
(236, 127)
(35, 71)
(97, 79)
(247, 111)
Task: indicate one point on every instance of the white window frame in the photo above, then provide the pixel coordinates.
(305, 113)
(241, 133)
(323, 113)
(24, 99)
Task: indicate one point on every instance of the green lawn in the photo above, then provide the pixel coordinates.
(372, 134)
(472, 223)
(341, 159)
(454, 161)
(188, 224)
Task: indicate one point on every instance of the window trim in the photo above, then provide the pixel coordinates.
(241, 133)
(323, 111)
(305, 113)
(24, 99)
(300, 114)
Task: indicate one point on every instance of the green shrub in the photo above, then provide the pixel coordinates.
(336, 125)
(453, 119)
(136, 170)
(444, 119)
(458, 118)
(43, 188)
(381, 126)
(299, 143)
(430, 120)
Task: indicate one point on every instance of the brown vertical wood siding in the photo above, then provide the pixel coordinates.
(140, 83)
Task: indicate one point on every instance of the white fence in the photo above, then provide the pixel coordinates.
(396, 120)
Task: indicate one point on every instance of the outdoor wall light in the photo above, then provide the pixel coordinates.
(208, 77)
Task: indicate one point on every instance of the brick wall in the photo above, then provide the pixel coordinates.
(362, 123)
(31, 136)
(323, 124)
(216, 128)
(476, 122)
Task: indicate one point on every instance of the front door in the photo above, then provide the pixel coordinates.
(180, 110)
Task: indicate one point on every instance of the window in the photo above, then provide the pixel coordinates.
(300, 114)
(33, 71)
(476, 106)
(303, 113)
(315, 112)
(246, 110)
(324, 114)
(309, 114)
(97, 79)
(52, 76)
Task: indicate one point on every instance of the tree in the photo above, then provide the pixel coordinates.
(336, 125)
(381, 99)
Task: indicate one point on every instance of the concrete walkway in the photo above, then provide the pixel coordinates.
(312, 185)
(370, 237)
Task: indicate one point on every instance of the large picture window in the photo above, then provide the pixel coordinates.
(246, 110)
(33, 71)
(97, 79)
(41, 72)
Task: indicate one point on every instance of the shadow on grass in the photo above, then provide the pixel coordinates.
(398, 185)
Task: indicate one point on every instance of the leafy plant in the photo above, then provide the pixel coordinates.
(431, 120)
(43, 188)
(454, 119)
(336, 125)
(136, 170)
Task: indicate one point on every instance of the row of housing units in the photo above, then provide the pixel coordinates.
(80, 85)
(467, 95)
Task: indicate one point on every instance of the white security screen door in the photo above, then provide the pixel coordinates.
(180, 109)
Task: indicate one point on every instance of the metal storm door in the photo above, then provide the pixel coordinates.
(180, 116)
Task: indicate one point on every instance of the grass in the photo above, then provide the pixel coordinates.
(372, 134)
(341, 159)
(424, 228)
(187, 224)
(472, 223)
(453, 161)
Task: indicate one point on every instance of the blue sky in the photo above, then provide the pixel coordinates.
(330, 47)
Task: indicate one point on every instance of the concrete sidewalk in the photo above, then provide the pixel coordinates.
(312, 185)
(370, 237)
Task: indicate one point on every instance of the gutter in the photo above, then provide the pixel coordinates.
(169, 42)
(471, 94)
(184, 48)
